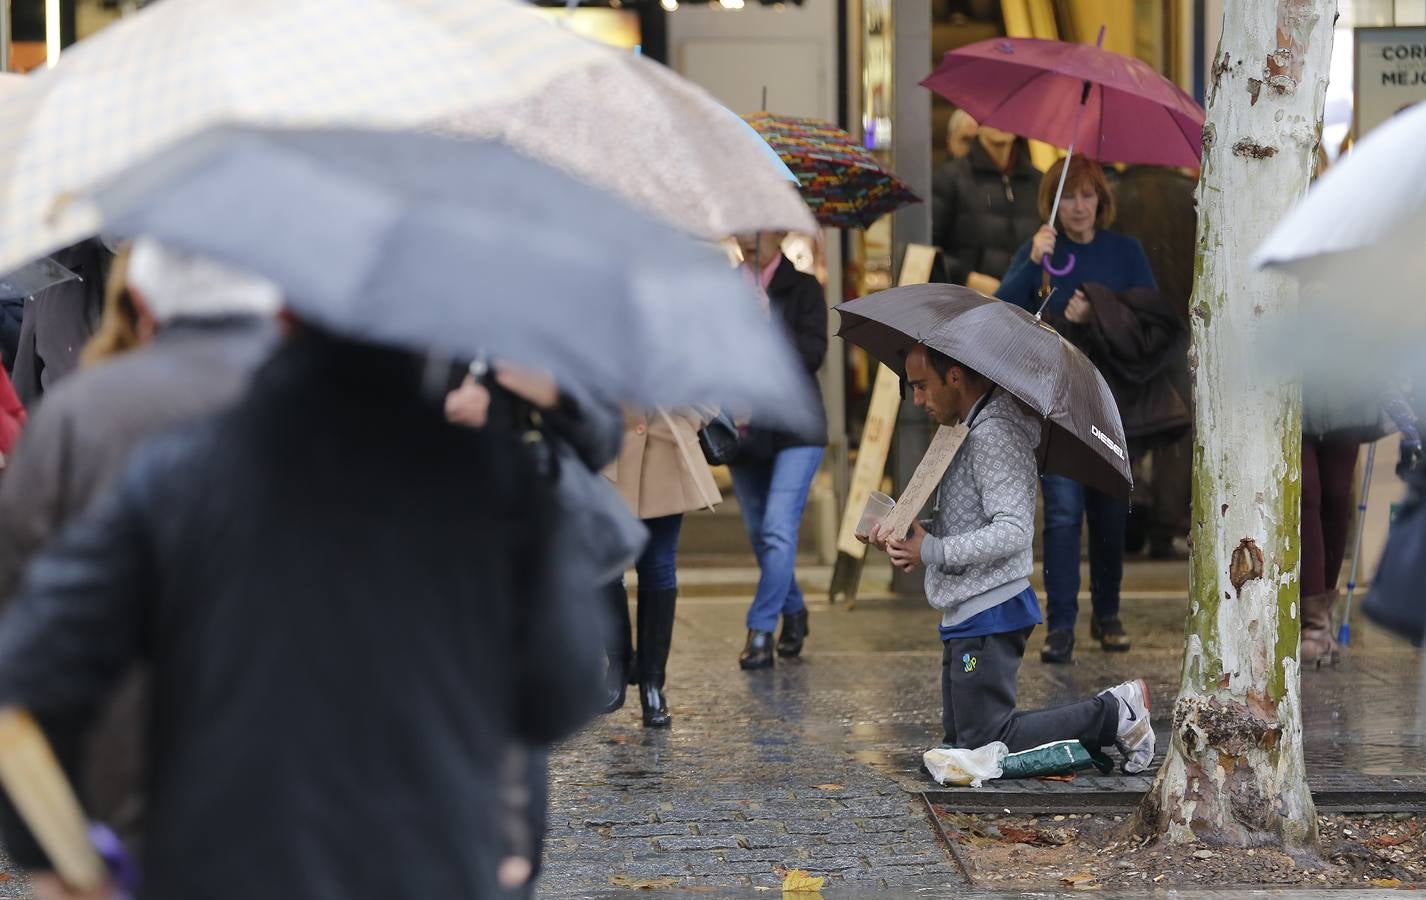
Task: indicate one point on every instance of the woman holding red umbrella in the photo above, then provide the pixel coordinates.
(1117, 262)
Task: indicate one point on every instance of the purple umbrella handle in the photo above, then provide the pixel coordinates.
(1058, 273)
(122, 867)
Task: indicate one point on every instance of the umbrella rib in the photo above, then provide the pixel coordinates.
(1186, 136)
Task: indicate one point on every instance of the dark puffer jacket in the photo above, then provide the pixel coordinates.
(800, 306)
(980, 215)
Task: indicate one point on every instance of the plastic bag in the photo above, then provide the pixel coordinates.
(1054, 758)
(953, 765)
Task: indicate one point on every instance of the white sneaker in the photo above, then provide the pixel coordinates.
(1135, 737)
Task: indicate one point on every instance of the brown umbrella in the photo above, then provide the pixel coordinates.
(1084, 439)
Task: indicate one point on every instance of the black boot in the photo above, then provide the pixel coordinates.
(655, 636)
(757, 652)
(618, 646)
(1059, 647)
(794, 632)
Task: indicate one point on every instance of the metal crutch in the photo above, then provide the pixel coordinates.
(1344, 633)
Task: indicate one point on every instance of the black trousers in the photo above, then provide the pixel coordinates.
(979, 678)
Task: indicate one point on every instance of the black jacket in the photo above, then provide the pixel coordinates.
(350, 609)
(1156, 205)
(799, 304)
(59, 320)
(1138, 342)
(979, 215)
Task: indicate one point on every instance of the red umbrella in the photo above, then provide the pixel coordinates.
(1112, 107)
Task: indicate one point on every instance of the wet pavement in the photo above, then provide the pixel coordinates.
(816, 764)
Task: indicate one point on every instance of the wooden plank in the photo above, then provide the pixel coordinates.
(43, 796)
(880, 425)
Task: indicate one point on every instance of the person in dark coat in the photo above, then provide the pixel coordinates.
(984, 207)
(506, 398)
(351, 608)
(774, 470)
(1156, 205)
(209, 328)
(59, 320)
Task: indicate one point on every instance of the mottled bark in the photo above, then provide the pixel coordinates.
(1234, 773)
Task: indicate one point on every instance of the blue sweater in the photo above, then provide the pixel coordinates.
(1114, 260)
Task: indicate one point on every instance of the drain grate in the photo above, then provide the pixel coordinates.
(1339, 793)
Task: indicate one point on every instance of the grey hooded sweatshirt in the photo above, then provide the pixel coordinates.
(979, 551)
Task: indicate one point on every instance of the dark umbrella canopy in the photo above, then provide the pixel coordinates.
(468, 247)
(34, 277)
(1084, 439)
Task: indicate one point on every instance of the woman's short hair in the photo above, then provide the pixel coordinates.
(1082, 171)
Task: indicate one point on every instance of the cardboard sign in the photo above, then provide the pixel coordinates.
(927, 477)
(880, 422)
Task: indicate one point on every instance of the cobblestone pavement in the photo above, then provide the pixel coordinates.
(816, 763)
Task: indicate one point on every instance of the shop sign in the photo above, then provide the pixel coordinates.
(1390, 73)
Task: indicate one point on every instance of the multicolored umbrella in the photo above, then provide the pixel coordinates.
(843, 183)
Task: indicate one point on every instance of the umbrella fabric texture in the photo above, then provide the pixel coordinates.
(841, 181)
(1084, 439)
(31, 278)
(1033, 87)
(639, 130)
(1361, 223)
(472, 249)
(1353, 244)
(180, 65)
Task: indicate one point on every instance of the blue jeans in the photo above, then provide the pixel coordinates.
(658, 564)
(772, 494)
(1067, 503)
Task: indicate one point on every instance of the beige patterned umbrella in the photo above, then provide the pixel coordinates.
(181, 65)
(639, 130)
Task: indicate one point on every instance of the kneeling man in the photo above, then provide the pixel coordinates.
(978, 558)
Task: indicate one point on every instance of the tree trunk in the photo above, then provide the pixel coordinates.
(1234, 773)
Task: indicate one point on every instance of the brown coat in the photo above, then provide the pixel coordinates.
(660, 472)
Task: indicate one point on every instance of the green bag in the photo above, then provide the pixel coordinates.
(1056, 758)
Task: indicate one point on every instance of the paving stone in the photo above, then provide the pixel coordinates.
(817, 763)
(765, 854)
(701, 842)
(821, 827)
(655, 830)
(744, 828)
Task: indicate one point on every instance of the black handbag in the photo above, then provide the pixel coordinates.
(1396, 601)
(719, 440)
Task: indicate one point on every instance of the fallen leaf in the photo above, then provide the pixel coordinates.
(1081, 881)
(800, 882)
(6, 876)
(636, 884)
(830, 787)
(1069, 777)
(1050, 837)
(1386, 882)
(1389, 840)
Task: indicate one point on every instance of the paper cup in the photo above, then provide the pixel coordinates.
(878, 507)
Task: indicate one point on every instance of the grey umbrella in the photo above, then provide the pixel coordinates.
(1085, 438)
(32, 278)
(469, 248)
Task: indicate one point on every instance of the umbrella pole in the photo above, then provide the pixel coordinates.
(1344, 633)
(1055, 211)
(1064, 175)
